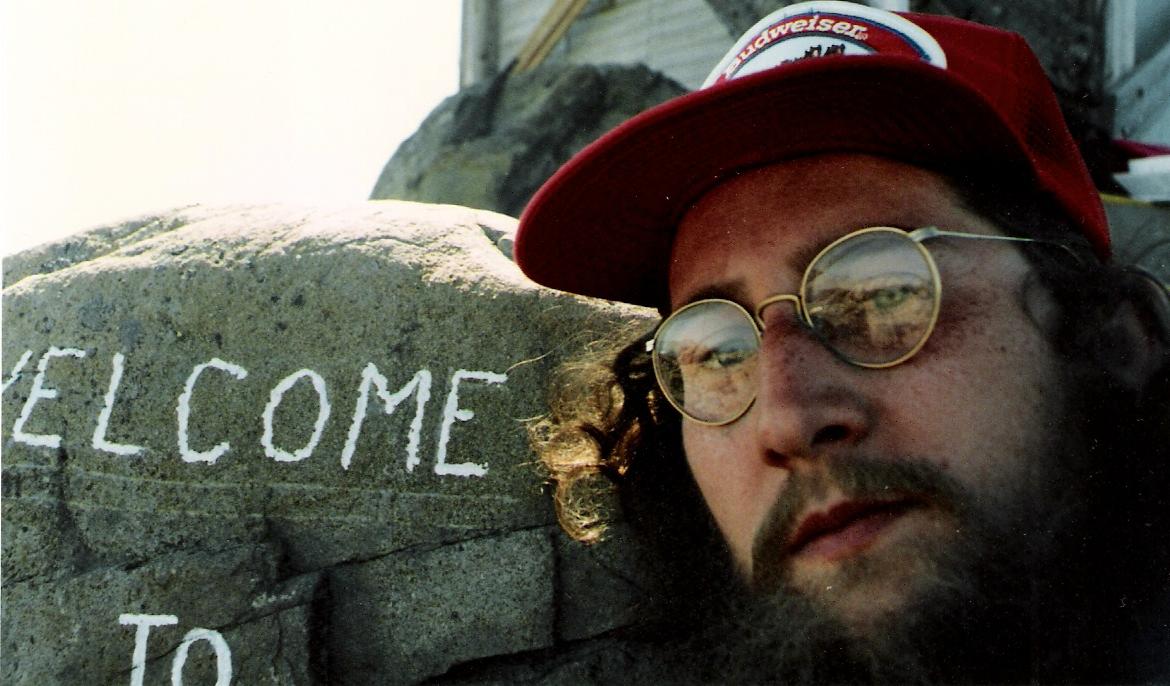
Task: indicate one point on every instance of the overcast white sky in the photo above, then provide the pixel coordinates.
(112, 108)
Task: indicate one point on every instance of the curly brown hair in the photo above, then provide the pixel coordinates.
(604, 410)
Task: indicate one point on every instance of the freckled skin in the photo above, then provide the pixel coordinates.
(978, 400)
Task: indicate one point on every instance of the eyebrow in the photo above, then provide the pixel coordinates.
(803, 256)
(734, 290)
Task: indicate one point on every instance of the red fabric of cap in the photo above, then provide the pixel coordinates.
(604, 223)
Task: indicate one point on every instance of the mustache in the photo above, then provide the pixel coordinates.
(857, 478)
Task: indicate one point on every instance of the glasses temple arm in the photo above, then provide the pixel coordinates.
(928, 232)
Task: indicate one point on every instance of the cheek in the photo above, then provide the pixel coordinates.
(986, 393)
(739, 489)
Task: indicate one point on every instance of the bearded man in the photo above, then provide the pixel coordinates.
(904, 419)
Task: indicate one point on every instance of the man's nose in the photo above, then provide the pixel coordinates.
(809, 404)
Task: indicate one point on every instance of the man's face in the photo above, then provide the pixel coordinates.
(854, 487)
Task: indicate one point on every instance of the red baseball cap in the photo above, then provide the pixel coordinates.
(815, 77)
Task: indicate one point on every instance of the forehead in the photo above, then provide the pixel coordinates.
(769, 222)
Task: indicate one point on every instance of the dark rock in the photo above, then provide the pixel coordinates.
(493, 144)
(409, 615)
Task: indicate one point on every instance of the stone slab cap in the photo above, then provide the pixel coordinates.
(815, 77)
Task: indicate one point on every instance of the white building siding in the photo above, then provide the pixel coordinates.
(516, 21)
(681, 38)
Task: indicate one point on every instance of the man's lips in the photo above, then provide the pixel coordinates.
(845, 527)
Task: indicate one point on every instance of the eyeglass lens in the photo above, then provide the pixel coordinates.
(705, 358)
(871, 298)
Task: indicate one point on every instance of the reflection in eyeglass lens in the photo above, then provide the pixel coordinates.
(877, 320)
(707, 360)
(871, 298)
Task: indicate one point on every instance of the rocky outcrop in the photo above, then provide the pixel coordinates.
(493, 144)
(287, 444)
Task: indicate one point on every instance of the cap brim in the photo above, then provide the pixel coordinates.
(603, 224)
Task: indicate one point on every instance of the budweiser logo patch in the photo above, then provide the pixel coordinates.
(812, 30)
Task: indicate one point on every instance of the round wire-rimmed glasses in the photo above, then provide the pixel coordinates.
(871, 297)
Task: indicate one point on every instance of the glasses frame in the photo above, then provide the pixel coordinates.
(917, 237)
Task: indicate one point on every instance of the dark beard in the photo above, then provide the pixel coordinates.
(1001, 604)
(975, 621)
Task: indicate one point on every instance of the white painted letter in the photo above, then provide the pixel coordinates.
(184, 411)
(39, 392)
(223, 656)
(420, 385)
(144, 622)
(451, 412)
(17, 370)
(99, 434)
(274, 399)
